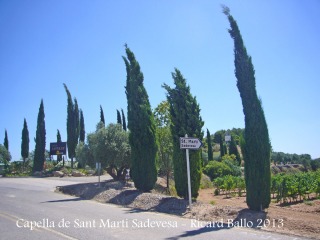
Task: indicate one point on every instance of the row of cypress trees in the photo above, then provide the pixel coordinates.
(185, 118)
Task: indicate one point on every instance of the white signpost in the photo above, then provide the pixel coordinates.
(98, 167)
(193, 144)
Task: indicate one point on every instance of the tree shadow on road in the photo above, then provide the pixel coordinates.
(65, 200)
(205, 229)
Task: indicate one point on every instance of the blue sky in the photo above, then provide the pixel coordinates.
(44, 44)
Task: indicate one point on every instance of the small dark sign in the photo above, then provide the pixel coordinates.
(58, 148)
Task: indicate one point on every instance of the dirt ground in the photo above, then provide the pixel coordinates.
(300, 219)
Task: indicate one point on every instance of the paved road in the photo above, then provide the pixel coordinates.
(30, 209)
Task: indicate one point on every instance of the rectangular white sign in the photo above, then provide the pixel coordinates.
(190, 143)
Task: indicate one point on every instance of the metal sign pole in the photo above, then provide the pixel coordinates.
(188, 173)
(98, 167)
(193, 144)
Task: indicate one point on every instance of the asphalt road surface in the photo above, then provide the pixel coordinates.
(30, 209)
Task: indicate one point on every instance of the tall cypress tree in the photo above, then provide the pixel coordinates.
(72, 125)
(102, 115)
(185, 119)
(82, 131)
(119, 121)
(25, 142)
(210, 152)
(233, 149)
(124, 123)
(222, 148)
(142, 136)
(40, 148)
(59, 157)
(257, 145)
(76, 122)
(6, 141)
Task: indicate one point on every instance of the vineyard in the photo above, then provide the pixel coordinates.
(295, 187)
(284, 187)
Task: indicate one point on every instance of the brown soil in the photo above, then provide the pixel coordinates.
(301, 219)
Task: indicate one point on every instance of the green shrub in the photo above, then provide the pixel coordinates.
(216, 169)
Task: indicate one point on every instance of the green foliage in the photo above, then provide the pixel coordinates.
(285, 158)
(257, 143)
(185, 119)
(164, 139)
(5, 156)
(222, 146)
(294, 187)
(39, 152)
(119, 121)
(231, 161)
(18, 169)
(142, 136)
(233, 149)
(235, 132)
(210, 152)
(204, 156)
(72, 125)
(229, 184)
(84, 155)
(25, 141)
(228, 166)
(82, 131)
(124, 123)
(315, 164)
(102, 115)
(59, 157)
(109, 146)
(6, 141)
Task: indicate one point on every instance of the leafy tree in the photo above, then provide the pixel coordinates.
(119, 121)
(6, 141)
(315, 164)
(233, 149)
(5, 156)
(210, 152)
(82, 131)
(84, 155)
(142, 135)
(218, 135)
(40, 148)
(257, 146)
(231, 161)
(25, 142)
(215, 169)
(185, 119)
(229, 184)
(164, 138)
(59, 157)
(72, 125)
(102, 116)
(110, 146)
(235, 132)
(124, 123)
